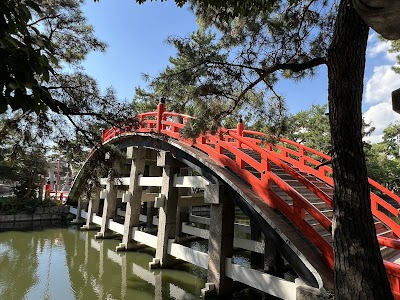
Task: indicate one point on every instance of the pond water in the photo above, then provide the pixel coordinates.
(65, 263)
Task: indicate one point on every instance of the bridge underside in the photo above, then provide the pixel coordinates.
(164, 159)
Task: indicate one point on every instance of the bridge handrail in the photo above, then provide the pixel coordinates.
(323, 172)
(299, 201)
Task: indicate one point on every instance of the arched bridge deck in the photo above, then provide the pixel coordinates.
(276, 185)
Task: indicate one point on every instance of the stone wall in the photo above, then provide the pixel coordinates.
(55, 213)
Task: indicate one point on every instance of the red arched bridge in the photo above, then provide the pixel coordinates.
(170, 184)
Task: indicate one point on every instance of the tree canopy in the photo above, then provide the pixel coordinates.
(42, 46)
(47, 99)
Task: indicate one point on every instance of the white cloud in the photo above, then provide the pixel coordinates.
(380, 86)
(380, 116)
(377, 47)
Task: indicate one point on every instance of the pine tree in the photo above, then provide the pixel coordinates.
(270, 40)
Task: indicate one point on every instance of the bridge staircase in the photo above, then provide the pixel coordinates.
(382, 230)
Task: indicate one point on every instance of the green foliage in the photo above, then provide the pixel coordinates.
(230, 8)
(391, 140)
(395, 48)
(25, 58)
(383, 168)
(311, 128)
(36, 38)
(13, 205)
(229, 68)
(24, 167)
(383, 159)
(55, 38)
(201, 81)
(46, 97)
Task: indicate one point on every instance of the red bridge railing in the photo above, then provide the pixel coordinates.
(228, 148)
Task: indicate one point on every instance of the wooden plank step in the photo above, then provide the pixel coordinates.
(328, 213)
(385, 233)
(319, 228)
(387, 253)
(308, 194)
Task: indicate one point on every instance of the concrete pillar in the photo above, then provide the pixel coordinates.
(151, 211)
(305, 292)
(124, 276)
(220, 243)
(273, 261)
(85, 271)
(158, 286)
(118, 206)
(182, 216)
(78, 219)
(87, 247)
(133, 200)
(256, 259)
(109, 209)
(101, 260)
(182, 211)
(167, 203)
(93, 208)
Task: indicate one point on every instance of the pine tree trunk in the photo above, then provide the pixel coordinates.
(359, 270)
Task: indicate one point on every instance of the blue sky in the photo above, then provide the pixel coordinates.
(136, 35)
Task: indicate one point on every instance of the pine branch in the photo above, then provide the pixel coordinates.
(296, 67)
(43, 19)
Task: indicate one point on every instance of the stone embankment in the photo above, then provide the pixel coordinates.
(56, 213)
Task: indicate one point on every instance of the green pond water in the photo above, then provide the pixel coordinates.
(65, 263)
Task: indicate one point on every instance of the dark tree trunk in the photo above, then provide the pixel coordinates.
(359, 270)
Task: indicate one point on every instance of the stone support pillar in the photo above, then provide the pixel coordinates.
(182, 216)
(151, 211)
(78, 219)
(158, 286)
(133, 199)
(124, 275)
(182, 211)
(256, 259)
(305, 292)
(101, 260)
(118, 206)
(93, 208)
(220, 243)
(109, 209)
(273, 261)
(167, 203)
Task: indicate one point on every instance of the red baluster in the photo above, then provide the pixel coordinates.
(239, 131)
(160, 110)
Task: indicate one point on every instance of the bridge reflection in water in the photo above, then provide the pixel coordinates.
(106, 274)
(66, 263)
